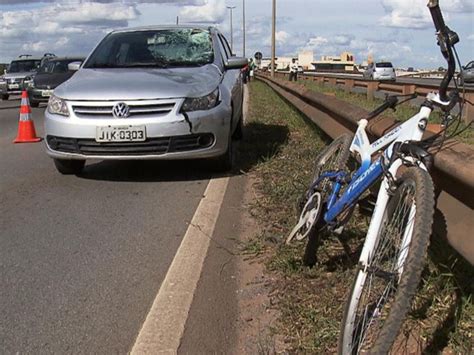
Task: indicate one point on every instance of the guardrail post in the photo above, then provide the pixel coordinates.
(408, 89)
(349, 85)
(468, 115)
(372, 87)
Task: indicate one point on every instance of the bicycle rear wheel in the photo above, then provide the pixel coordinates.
(382, 293)
(333, 158)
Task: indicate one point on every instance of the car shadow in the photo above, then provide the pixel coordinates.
(260, 143)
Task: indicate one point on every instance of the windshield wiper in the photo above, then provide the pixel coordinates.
(144, 65)
(187, 63)
(102, 65)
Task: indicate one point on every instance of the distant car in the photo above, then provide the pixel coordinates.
(467, 73)
(300, 69)
(379, 71)
(19, 71)
(50, 75)
(161, 92)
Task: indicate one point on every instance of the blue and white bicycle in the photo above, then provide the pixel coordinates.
(395, 247)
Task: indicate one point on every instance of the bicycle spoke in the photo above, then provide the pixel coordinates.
(384, 271)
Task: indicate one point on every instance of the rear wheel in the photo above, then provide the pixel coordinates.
(69, 167)
(34, 103)
(5, 97)
(383, 290)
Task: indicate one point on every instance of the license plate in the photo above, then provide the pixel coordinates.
(120, 134)
(14, 86)
(46, 93)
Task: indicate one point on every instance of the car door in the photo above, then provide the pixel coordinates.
(232, 78)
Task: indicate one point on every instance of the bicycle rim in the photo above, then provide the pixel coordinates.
(374, 290)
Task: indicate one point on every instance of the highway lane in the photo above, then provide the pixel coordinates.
(401, 80)
(82, 257)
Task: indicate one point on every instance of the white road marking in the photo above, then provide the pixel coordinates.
(164, 325)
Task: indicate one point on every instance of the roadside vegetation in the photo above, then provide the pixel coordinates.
(311, 301)
(403, 112)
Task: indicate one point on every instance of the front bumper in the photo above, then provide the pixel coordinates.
(174, 127)
(37, 95)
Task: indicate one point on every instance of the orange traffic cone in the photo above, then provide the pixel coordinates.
(26, 126)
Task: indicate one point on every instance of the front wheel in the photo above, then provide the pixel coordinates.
(69, 167)
(383, 290)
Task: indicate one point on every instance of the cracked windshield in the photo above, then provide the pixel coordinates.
(162, 48)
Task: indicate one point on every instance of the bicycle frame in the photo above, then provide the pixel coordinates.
(370, 172)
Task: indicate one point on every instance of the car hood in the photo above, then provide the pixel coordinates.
(20, 75)
(51, 80)
(140, 83)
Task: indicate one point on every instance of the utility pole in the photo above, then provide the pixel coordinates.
(177, 20)
(231, 29)
(273, 37)
(243, 27)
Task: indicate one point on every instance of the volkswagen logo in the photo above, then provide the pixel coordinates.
(121, 110)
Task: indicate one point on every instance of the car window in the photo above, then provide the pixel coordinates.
(470, 65)
(56, 66)
(384, 65)
(18, 66)
(161, 48)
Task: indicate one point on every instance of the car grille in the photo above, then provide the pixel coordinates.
(152, 146)
(136, 110)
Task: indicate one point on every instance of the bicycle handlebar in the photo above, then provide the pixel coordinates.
(446, 39)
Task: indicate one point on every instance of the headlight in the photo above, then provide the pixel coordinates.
(57, 106)
(28, 81)
(201, 103)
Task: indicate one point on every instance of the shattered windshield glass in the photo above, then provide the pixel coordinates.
(161, 48)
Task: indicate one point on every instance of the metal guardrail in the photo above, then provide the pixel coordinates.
(453, 171)
(371, 87)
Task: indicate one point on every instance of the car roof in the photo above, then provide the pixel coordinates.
(164, 27)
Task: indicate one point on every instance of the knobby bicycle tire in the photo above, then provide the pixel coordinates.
(339, 151)
(390, 318)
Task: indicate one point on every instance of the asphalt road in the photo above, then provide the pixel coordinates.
(82, 257)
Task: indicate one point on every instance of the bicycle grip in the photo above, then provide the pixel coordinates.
(436, 15)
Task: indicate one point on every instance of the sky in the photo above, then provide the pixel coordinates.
(397, 30)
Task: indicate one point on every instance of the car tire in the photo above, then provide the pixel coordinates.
(239, 130)
(34, 103)
(69, 167)
(5, 97)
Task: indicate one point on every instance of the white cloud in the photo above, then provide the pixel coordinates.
(471, 37)
(213, 11)
(405, 14)
(282, 37)
(317, 41)
(414, 14)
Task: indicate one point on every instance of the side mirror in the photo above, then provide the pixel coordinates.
(74, 66)
(236, 63)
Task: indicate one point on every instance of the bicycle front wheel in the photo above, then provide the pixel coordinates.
(383, 291)
(333, 158)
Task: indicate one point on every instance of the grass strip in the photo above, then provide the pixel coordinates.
(281, 146)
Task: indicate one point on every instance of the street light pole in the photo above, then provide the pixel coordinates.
(273, 37)
(243, 26)
(231, 29)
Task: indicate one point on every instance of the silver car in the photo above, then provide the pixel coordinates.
(149, 93)
(467, 73)
(19, 73)
(380, 71)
